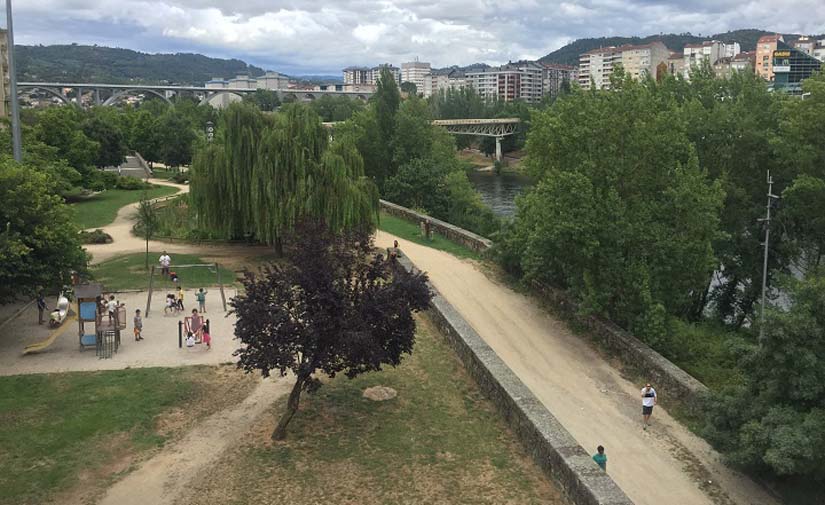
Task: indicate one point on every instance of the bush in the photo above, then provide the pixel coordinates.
(95, 237)
(109, 179)
(131, 183)
(180, 177)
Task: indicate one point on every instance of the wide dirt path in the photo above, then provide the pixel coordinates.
(664, 465)
(124, 242)
(161, 479)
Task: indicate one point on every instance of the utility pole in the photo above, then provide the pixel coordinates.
(767, 221)
(17, 150)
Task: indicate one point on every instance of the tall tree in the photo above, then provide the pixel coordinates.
(333, 307)
(176, 138)
(265, 99)
(39, 245)
(261, 175)
(102, 126)
(146, 222)
(375, 145)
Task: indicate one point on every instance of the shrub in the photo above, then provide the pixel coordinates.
(95, 237)
(131, 183)
(180, 177)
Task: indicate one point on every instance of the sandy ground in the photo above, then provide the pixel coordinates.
(123, 242)
(161, 479)
(665, 465)
(160, 347)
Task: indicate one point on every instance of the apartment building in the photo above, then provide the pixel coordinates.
(710, 51)
(375, 73)
(765, 47)
(358, 75)
(743, 62)
(555, 75)
(676, 64)
(416, 72)
(811, 47)
(513, 81)
(270, 80)
(596, 66)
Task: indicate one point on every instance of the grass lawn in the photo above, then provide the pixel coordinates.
(129, 272)
(439, 441)
(64, 437)
(408, 231)
(101, 209)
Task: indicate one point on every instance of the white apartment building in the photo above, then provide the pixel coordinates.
(711, 51)
(514, 81)
(596, 67)
(416, 72)
(270, 80)
(357, 75)
(811, 47)
(375, 73)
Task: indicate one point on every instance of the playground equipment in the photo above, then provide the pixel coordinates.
(213, 267)
(105, 334)
(60, 312)
(186, 327)
(39, 346)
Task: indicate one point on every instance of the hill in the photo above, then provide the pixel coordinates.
(78, 63)
(569, 54)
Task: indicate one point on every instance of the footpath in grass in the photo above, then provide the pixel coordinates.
(65, 437)
(406, 230)
(100, 210)
(439, 441)
(129, 272)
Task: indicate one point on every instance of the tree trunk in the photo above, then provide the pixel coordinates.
(291, 409)
(147, 251)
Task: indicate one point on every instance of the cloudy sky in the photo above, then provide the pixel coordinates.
(323, 36)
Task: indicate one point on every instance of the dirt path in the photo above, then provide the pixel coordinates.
(665, 465)
(162, 478)
(124, 242)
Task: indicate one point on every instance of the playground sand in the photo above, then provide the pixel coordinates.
(160, 347)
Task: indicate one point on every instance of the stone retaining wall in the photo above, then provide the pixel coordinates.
(632, 352)
(552, 447)
(459, 235)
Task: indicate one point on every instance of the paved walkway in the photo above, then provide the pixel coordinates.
(666, 465)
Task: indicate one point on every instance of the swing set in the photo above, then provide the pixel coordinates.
(214, 268)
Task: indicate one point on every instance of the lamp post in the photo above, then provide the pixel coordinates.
(767, 221)
(17, 150)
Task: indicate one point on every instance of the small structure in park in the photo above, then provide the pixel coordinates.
(95, 327)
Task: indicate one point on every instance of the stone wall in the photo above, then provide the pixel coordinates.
(452, 232)
(632, 352)
(552, 447)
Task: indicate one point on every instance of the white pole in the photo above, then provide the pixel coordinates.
(15, 111)
(767, 221)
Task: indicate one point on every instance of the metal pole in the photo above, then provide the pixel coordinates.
(15, 110)
(767, 221)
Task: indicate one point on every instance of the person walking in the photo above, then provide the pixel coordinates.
(200, 296)
(41, 307)
(180, 298)
(165, 260)
(138, 326)
(648, 402)
(600, 458)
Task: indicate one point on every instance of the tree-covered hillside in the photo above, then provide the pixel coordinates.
(569, 54)
(77, 63)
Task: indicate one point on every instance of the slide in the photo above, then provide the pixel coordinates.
(39, 346)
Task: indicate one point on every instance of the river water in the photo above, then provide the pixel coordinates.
(499, 192)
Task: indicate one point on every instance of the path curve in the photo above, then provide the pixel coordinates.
(665, 465)
(161, 479)
(123, 242)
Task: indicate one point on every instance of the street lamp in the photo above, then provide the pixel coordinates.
(15, 111)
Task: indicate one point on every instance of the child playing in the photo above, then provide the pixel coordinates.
(200, 296)
(190, 340)
(180, 298)
(138, 326)
(171, 305)
(206, 338)
(112, 307)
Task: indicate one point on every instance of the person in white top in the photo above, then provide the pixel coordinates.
(164, 261)
(648, 401)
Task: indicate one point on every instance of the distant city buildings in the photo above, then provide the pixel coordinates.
(711, 51)
(556, 76)
(765, 47)
(790, 66)
(638, 61)
(513, 81)
(270, 80)
(416, 72)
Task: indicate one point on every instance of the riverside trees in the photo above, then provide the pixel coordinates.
(263, 174)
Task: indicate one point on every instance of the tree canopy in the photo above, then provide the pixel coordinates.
(333, 307)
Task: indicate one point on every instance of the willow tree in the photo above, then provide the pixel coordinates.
(264, 173)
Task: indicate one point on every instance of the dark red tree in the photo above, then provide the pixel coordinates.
(333, 306)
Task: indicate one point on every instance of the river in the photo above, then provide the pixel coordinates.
(499, 191)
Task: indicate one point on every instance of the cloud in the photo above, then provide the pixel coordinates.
(325, 35)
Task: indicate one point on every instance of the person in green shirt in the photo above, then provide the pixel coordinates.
(600, 458)
(200, 296)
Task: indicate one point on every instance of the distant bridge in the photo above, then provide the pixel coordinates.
(111, 94)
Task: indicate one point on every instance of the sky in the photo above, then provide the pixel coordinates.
(324, 36)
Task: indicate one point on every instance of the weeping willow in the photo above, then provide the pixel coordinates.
(264, 173)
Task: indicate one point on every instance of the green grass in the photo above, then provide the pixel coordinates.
(55, 426)
(129, 272)
(408, 231)
(101, 210)
(438, 441)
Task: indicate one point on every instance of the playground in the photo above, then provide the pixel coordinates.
(159, 347)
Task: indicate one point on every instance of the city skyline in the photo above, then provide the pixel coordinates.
(321, 38)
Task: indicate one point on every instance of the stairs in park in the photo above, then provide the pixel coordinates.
(134, 166)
